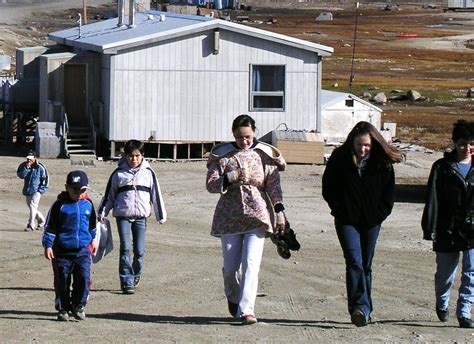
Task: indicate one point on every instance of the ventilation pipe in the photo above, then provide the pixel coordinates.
(121, 12)
(216, 42)
(131, 13)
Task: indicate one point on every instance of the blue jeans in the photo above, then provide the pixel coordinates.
(132, 236)
(77, 265)
(446, 266)
(358, 245)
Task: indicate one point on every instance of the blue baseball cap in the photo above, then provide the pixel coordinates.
(77, 180)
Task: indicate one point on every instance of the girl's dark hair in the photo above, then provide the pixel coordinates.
(463, 130)
(381, 150)
(243, 121)
(131, 145)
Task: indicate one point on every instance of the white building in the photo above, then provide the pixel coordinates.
(341, 111)
(172, 79)
(460, 4)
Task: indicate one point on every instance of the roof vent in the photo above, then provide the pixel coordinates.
(121, 12)
(131, 14)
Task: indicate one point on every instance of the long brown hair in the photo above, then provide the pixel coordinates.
(381, 150)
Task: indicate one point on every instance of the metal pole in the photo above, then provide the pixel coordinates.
(353, 47)
(84, 11)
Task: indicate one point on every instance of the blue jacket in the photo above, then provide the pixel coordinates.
(70, 225)
(36, 178)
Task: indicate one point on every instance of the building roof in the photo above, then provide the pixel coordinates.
(329, 98)
(106, 37)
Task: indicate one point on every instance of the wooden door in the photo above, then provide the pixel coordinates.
(75, 94)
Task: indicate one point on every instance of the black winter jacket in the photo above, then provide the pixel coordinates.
(356, 200)
(449, 206)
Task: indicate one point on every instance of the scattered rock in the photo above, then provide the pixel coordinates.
(470, 92)
(324, 16)
(380, 98)
(366, 95)
(335, 85)
(414, 95)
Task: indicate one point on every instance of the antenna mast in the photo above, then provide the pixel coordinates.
(79, 21)
(351, 79)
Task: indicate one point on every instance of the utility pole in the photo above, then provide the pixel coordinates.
(351, 79)
(84, 11)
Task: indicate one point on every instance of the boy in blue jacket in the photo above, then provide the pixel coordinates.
(36, 181)
(70, 229)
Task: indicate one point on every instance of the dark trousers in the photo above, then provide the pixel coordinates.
(78, 266)
(358, 245)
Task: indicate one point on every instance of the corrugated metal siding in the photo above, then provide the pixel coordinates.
(180, 90)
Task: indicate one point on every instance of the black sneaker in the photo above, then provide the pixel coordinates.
(29, 229)
(233, 308)
(136, 281)
(290, 239)
(358, 318)
(465, 323)
(282, 247)
(443, 314)
(128, 290)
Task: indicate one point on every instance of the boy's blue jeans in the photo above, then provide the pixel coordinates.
(132, 237)
(358, 245)
(77, 265)
(446, 266)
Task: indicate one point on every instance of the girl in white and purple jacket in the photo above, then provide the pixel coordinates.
(133, 191)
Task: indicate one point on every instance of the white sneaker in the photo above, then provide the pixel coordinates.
(63, 316)
(79, 314)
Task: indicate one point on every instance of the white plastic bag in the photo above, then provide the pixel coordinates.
(104, 238)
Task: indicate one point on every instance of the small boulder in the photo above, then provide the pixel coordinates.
(380, 98)
(414, 95)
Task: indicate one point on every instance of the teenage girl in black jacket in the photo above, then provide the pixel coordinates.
(359, 185)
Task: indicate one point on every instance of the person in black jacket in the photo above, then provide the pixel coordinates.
(359, 185)
(448, 221)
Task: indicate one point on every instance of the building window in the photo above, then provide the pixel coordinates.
(350, 102)
(267, 88)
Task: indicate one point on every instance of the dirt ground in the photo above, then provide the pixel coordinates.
(181, 298)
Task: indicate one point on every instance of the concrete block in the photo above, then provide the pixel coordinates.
(48, 142)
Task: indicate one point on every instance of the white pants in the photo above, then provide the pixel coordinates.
(242, 255)
(35, 215)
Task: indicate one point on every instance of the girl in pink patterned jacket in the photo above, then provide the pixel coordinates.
(246, 174)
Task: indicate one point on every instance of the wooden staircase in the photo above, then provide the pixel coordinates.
(80, 141)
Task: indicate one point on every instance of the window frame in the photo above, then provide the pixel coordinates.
(253, 94)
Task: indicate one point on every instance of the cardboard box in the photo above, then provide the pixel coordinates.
(298, 146)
